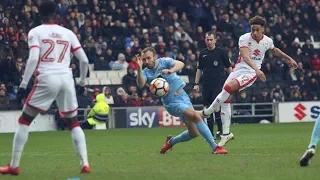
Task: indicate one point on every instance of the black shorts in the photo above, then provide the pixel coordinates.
(210, 92)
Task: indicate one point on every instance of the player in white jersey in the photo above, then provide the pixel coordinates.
(253, 47)
(49, 59)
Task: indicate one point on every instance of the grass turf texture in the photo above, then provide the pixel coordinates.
(259, 152)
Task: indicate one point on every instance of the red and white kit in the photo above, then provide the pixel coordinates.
(243, 73)
(54, 80)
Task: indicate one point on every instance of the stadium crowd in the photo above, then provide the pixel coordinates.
(113, 31)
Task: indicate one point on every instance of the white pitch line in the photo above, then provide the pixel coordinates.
(151, 154)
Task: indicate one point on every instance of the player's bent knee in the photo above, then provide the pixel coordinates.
(231, 87)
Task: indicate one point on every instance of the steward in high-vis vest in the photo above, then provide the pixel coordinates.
(100, 111)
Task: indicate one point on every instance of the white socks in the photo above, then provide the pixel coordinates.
(225, 117)
(19, 140)
(79, 142)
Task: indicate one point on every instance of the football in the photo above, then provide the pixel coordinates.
(159, 87)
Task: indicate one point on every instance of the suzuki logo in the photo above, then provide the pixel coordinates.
(300, 111)
(256, 52)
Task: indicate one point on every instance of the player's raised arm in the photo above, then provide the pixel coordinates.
(141, 81)
(290, 61)
(77, 50)
(173, 66)
(34, 54)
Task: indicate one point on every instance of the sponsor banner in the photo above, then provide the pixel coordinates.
(145, 117)
(299, 111)
(148, 117)
(167, 120)
(9, 122)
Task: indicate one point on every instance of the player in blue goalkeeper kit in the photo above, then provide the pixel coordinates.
(176, 101)
(310, 152)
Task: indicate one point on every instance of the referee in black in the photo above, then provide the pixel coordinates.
(212, 65)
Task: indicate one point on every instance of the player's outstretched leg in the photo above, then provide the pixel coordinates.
(310, 152)
(79, 142)
(196, 126)
(226, 121)
(19, 140)
(224, 95)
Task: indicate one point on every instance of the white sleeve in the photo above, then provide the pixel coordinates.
(34, 54)
(77, 50)
(75, 44)
(271, 45)
(243, 41)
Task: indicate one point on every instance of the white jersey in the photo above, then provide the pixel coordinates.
(55, 43)
(257, 50)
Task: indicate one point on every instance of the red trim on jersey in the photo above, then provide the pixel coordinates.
(243, 47)
(257, 40)
(35, 85)
(247, 83)
(75, 49)
(34, 46)
(74, 125)
(68, 112)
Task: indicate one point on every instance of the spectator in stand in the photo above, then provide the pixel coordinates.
(277, 94)
(315, 62)
(13, 95)
(120, 64)
(4, 100)
(308, 48)
(149, 101)
(264, 96)
(313, 86)
(101, 64)
(83, 99)
(305, 96)
(130, 78)
(124, 100)
(135, 100)
(108, 95)
(96, 91)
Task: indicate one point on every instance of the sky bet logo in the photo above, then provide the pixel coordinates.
(301, 112)
(142, 117)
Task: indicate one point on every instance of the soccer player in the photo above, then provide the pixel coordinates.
(310, 152)
(253, 47)
(176, 101)
(212, 64)
(49, 59)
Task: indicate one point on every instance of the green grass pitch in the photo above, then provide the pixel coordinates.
(259, 152)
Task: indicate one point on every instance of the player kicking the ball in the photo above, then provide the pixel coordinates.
(253, 47)
(176, 101)
(49, 60)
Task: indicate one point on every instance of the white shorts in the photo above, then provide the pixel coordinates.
(244, 78)
(59, 87)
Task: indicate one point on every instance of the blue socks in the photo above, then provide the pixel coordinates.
(315, 133)
(205, 132)
(183, 137)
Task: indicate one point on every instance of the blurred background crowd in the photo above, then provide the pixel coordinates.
(113, 31)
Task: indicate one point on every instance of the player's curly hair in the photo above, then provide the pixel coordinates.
(47, 8)
(257, 20)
